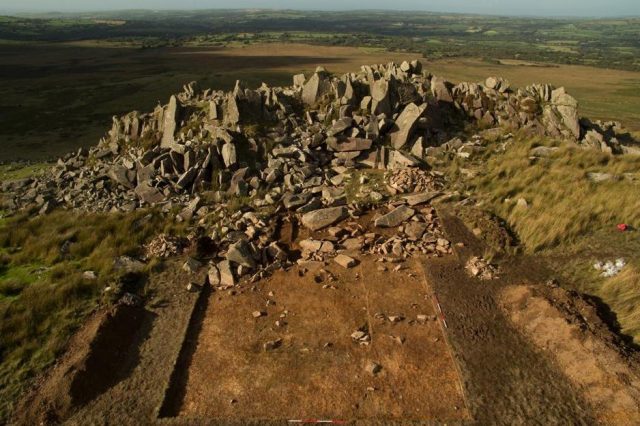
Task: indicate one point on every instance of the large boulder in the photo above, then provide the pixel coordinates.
(406, 124)
(567, 107)
(395, 217)
(322, 218)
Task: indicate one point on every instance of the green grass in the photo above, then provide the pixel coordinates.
(357, 192)
(20, 171)
(44, 297)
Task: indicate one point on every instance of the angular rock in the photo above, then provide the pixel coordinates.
(567, 107)
(293, 201)
(319, 219)
(314, 89)
(405, 125)
(213, 276)
(340, 126)
(415, 230)
(394, 218)
(122, 175)
(226, 273)
(229, 155)
(241, 253)
(171, 118)
(149, 194)
(345, 261)
(186, 179)
(441, 90)
(349, 145)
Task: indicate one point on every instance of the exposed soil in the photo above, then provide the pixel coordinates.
(96, 360)
(117, 367)
(504, 351)
(319, 371)
(607, 377)
(506, 379)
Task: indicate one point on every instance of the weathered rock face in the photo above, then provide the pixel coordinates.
(395, 217)
(405, 125)
(567, 107)
(170, 125)
(323, 218)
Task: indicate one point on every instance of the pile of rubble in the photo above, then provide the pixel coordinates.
(413, 232)
(241, 162)
(413, 180)
(164, 246)
(478, 267)
(385, 116)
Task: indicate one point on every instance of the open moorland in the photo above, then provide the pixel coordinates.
(63, 75)
(367, 218)
(59, 97)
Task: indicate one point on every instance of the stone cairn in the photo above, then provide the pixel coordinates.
(293, 155)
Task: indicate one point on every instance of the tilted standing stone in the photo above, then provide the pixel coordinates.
(171, 118)
(406, 124)
(567, 106)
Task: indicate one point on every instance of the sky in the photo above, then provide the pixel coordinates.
(496, 7)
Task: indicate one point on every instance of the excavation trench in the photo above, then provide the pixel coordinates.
(318, 371)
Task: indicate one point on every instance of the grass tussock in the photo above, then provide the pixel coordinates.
(569, 219)
(622, 294)
(44, 296)
(563, 204)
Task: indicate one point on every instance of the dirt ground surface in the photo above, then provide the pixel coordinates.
(508, 378)
(607, 378)
(118, 366)
(450, 349)
(319, 371)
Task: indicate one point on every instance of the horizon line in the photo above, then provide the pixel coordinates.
(425, 11)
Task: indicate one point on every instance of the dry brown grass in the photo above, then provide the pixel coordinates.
(564, 205)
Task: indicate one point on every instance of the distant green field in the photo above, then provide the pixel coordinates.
(59, 97)
(64, 76)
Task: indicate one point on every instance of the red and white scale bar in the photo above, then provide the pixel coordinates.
(440, 311)
(309, 421)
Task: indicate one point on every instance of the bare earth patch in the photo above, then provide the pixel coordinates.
(605, 378)
(319, 371)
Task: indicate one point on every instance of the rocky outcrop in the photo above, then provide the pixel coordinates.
(312, 135)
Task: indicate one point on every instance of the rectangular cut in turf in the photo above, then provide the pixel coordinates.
(313, 367)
